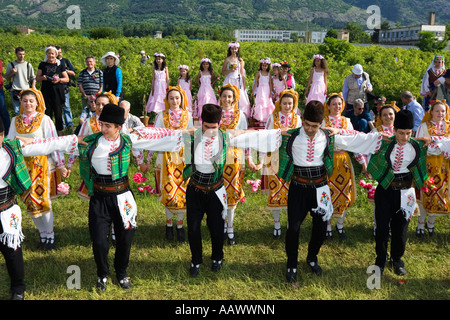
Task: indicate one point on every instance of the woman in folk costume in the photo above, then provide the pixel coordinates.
(342, 181)
(284, 116)
(15, 180)
(169, 166)
(90, 127)
(234, 171)
(434, 202)
(434, 75)
(104, 164)
(45, 171)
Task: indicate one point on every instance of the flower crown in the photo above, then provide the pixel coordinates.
(276, 64)
(265, 60)
(206, 60)
(157, 54)
(183, 66)
(318, 56)
(233, 44)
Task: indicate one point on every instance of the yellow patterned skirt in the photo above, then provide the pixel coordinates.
(233, 176)
(276, 187)
(437, 202)
(172, 185)
(342, 183)
(37, 197)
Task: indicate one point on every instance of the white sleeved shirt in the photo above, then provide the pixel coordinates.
(46, 130)
(66, 144)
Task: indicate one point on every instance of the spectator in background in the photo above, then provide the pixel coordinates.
(21, 75)
(112, 74)
(361, 120)
(356, 86)
(144, 57)
(52, 73)
(285, 73)
(3, 111)
(87, 112)
(131, 121)
(428, 89)
(90, 81)
(67, 112)
(411, 104)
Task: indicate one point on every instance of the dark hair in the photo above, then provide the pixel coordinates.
(238, 53)
(323, 65)
(333, 97)
(225, 89)
(188, 76)
(211, 113)
(260, 67)
(163, 64)
(102, 95)
(386, 106)
(19, 49)
(27, 93)
(287, 95)
(210, 68)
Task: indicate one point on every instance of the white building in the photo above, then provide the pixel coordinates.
(410, 35)
(278, 35)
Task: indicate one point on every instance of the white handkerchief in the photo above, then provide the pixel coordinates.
(11, 220)
(324, 203)
(408, 202)
(222, 195)
(128, 209)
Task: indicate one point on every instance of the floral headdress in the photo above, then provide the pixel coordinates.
(39, 97)
(183, 66)
(278, 102)
(184, 101)
(318, 56)
(325, 105)
(276, 64)
(112, 98)
(265, 60)
(158, 54)
(236, 94)
(234, 44)
(206, 60)
(427, 116)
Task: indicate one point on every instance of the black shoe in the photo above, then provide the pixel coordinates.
(42, 244)
(315, 268)
(420, 233)
(431, 232)
(101, 284)
(232, 241)
(194, 269)
(125, 283)
(399, 267)
(276, 233)
(328, 235)
(341, 233)
(181, 236)
(18, 296)
(169, 233)
(216, 265)
(291, 275)
(50, 245)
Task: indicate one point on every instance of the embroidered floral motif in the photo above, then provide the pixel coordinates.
(398, 160)
(310, 150)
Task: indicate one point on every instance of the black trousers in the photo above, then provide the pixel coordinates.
(198, 203)
(387, 206)
(14, 265)
(302, 200)
(103, 210)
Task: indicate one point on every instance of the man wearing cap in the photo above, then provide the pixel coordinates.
(205, 158)
(395, 197)
(356, 86)
(104, 164)
(112, 74)
(14, 180)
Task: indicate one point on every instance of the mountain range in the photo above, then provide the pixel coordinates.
(231, 14)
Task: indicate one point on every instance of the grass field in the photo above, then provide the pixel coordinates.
(253, 269)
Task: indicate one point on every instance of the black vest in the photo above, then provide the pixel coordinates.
(110, 80)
